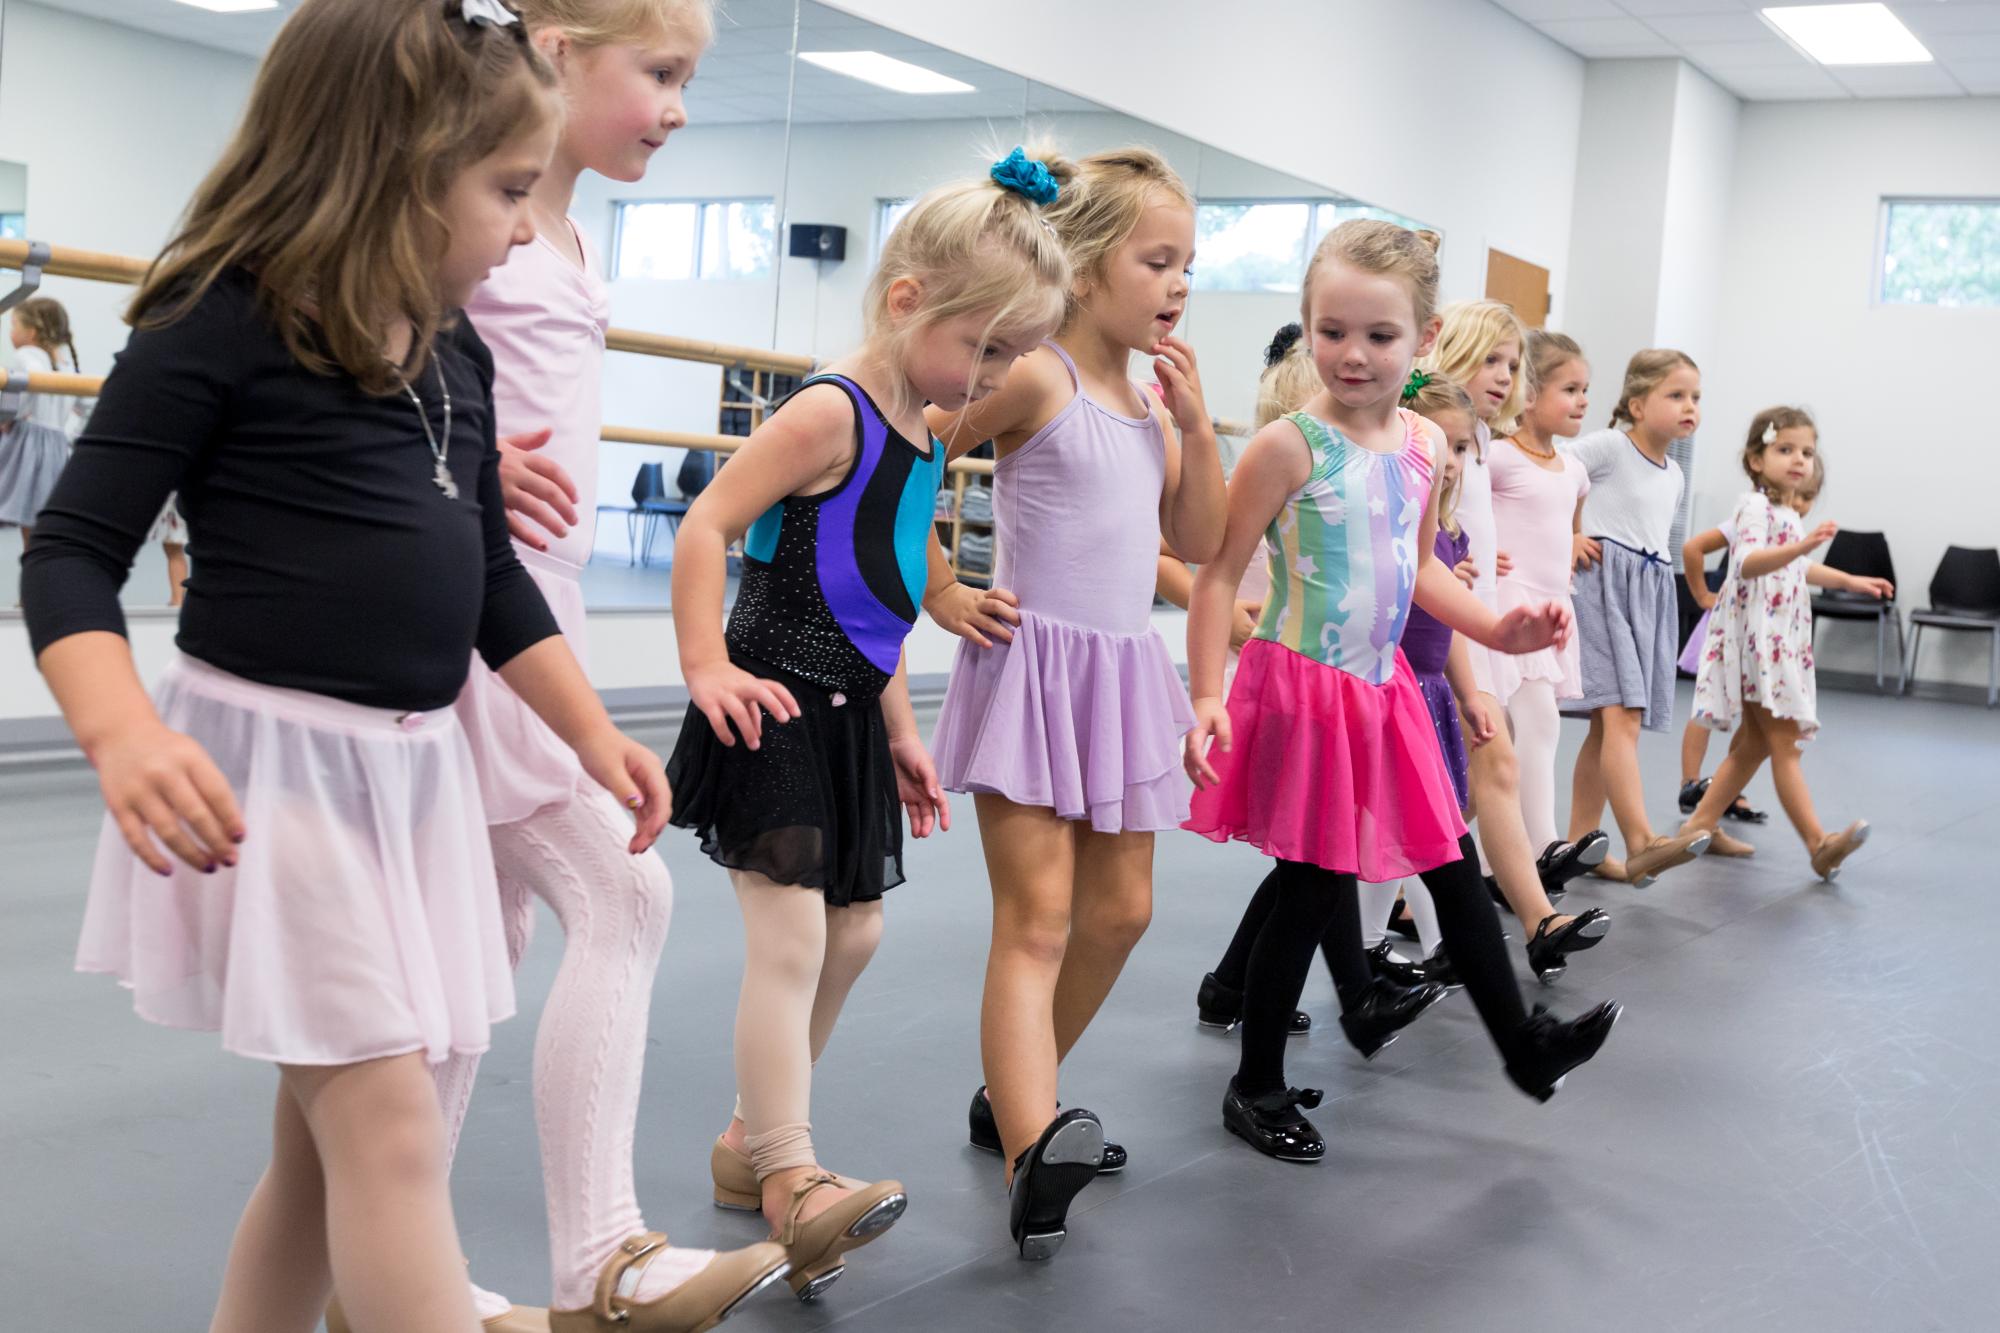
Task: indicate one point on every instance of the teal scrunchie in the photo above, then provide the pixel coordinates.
(1025, 176)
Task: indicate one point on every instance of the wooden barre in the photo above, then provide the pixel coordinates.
(89, 386)
(67, 262)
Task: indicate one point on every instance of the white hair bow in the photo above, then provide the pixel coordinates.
(489, 13)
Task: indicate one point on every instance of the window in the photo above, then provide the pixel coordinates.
(13, 226)
(888, 212)
(1262, 245)
(695, 238)
(1941, 252)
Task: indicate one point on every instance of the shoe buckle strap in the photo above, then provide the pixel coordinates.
(633, 1253)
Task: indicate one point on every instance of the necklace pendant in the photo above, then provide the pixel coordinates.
(442, 476)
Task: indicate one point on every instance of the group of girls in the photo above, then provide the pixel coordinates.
(326, 831)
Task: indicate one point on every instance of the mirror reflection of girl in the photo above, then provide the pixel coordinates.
(1326, 757)
(800, 754)
(1756, 665)
(1627, 614)
(35, 444)
(1066, 730)
(302, 376)
(1481, 346)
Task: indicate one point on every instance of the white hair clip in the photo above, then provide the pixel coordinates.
(1770, 435)
(487, 13)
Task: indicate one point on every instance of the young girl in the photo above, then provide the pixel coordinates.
(1326, 757)
(1066, 733)
(1479, 346)
(836, 496)
(1536, 491)
(1694, 739)
(1757, 660)
(1626, 615)
(621, 69)
(35, 445)
(299, 375)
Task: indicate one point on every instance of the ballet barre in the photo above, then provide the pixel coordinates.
(89, 386)
(37, 260)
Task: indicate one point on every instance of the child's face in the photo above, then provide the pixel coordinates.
(17, 332)
(1787, 461)
(624, 100)
(955, 362)
(1457, 428)
(1142, 293)
(1558, 406)
(486, 210)
(1494, 379)
(1803, 502)
(1364, 333)
(1672, 411)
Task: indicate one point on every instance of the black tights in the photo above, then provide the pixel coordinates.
(1307, 906)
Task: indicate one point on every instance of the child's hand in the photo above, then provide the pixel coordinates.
(1585, 552)
(1480, 726)
(726, 693)
(1871, 587)
(539, 494)
(917, 787)
(1703, 598)
(633, 774)
(1180, 384)
(1819, 536)
(1245, 625)
(1211, 727)
(159, 784)
(1466, 571)
(1528, 629)
(975, 613)
(1503, 564)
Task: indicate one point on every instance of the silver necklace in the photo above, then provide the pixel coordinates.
(441, 476)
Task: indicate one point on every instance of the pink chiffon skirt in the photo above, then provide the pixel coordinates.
(362, 919)
(1327, 769)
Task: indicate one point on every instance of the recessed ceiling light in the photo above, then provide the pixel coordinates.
(1849, 34)
(232, 6)
(885, 71)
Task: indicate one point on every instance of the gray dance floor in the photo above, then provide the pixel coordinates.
(1793, 1127)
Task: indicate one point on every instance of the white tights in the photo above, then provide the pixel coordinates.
(590, 1047)
(1537, 727)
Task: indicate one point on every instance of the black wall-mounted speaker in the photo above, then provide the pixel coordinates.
(811, 240)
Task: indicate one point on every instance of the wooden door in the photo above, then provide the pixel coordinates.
(1520, 284)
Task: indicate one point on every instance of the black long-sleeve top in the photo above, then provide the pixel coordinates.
(325, 556)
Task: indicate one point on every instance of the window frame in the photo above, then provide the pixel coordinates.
(1879, 280)
(701, 205)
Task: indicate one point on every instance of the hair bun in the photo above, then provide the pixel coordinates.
(1282, 343)
(1430, 238)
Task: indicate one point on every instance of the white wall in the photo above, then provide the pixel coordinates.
(116, 128)
(1900, 391)
(1391, 103)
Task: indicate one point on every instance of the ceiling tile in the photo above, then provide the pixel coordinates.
(1806, 81)
(1897, 81)
(1769, 54)
(1540, 11)
(1606, 38)
(1647, 9)
(1741, 26)
(1945, 21)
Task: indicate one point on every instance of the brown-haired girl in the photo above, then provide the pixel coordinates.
(1757, 660)
(35, 444)
(1626, 614)
(296, 852)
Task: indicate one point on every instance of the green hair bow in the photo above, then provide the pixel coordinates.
(1419, 381)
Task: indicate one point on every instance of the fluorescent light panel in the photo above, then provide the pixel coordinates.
(1849, 34)
(231, 6)
(886, 72)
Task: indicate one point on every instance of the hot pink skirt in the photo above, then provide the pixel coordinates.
(1328, 769)
(362, 919)
(522, 765)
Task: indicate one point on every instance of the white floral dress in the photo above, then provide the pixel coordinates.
(1759, 644)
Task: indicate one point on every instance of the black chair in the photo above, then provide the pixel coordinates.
(1965, 596)
(697, 470)
(1866, 554)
